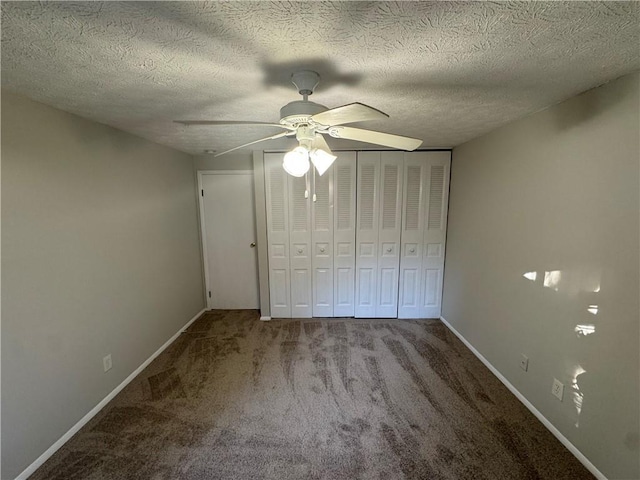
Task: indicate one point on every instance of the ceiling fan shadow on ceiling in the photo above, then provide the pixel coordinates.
(309, 122)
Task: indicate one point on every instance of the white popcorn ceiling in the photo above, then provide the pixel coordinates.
(445, 72)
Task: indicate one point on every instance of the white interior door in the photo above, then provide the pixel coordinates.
(322, 243)
(227, 212)
(300, 242)
(344, 234)
(389, 233)
(413, 218)
(435, 231)
(367, 234)
(276, 191)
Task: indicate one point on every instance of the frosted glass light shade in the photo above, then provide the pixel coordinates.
(321, 159)
(296, 162)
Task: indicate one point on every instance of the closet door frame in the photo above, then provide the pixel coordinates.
(367, 259)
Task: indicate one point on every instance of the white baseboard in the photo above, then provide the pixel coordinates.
(92, 413)
(570, 446)
(265, 318)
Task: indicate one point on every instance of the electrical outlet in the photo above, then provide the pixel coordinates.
(557, 389)
(524, 362)
(106, 362)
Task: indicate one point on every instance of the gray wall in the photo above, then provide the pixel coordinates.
(557, 192)
(230, 161)
(99, 255)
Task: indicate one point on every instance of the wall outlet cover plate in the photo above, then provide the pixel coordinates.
(524, 362)
(557, 389)
(106, 362)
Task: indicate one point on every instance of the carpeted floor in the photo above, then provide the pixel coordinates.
(236, 398)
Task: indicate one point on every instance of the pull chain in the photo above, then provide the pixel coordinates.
(314, 184)
(306, 185)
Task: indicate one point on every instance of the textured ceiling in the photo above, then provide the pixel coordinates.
(445, 72)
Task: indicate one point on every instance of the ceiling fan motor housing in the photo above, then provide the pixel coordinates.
(300, 111)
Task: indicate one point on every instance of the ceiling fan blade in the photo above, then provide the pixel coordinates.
(272, 137)
(228, 122)
(354, 112)
(321, 143)
(377, 138)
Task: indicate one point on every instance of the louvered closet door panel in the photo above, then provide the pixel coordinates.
(300, 242)
(276, 191)
(344, 234)
(413, 218)
(437, 198)
(389, 227)
(367, 219)
(322, 243)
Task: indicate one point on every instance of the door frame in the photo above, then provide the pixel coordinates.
(203, 237)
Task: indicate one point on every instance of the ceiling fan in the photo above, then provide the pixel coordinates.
(309, 121)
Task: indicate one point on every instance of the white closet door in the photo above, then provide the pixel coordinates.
(413, 220)
(344, 234)
(276, 191)
(368, 212)
(300, 241)
(389, 228)
(437, 196)
(322, 243)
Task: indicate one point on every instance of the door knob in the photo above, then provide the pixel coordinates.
(322, 250)
(389, 250)
(252, 244)
(412, 250)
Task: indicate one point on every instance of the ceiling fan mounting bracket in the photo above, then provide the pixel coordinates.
(305, 81)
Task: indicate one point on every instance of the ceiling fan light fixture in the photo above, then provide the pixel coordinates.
(321, 159)
(296, 162)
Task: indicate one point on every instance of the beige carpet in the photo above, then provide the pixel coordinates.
(236, 398)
